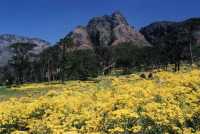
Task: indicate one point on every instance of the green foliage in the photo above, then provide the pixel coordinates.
(65, 61)
(81, 64)
(194, 122)
(131, 56)
(105, 58)
(20, 61)
(125, 55)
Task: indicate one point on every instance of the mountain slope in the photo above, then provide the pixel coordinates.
(107, 30)
(8, 39)
(156, 32)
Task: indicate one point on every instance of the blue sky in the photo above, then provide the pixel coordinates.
(53, 19)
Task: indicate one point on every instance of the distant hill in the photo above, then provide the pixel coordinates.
(156, 32)
(8, 39)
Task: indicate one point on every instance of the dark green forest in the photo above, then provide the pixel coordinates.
(64, 62)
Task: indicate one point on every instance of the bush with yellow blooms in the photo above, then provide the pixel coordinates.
(168, 103)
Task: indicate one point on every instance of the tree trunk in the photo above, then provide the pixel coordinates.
(191, 54)
(63, 65)
(175, 68)
(49, 72)
(178, 65)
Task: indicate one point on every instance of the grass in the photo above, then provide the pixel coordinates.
(36, 90)
(25, 91)
(7, 93)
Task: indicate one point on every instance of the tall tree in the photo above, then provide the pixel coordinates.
(105, 58)
(179, 46)
(82, 64)
(20, 61)
(66, 46)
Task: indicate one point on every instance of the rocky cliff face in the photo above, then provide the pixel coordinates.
(81, 37)
(7, 39)
(107, 30)
(100, 30)
(158, 31)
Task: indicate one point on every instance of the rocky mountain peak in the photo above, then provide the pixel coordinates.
(118, 19)
(106, 30)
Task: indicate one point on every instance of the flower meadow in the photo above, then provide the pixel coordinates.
(168, 103)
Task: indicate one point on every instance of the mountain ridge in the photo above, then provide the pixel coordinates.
(7, 40)
(106, 30)
(157, 31)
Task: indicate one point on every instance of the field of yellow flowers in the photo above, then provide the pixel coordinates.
(167, 103)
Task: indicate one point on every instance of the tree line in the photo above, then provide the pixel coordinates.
(64, 61)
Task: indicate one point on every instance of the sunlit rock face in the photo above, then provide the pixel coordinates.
(81, 38)
(123, 32)
(107, 30)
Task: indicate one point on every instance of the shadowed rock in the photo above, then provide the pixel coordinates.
(155, 33)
